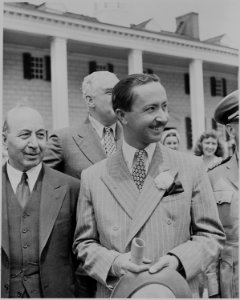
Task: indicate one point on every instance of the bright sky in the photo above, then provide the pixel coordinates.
(216, 17)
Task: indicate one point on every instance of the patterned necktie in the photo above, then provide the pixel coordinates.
(109, 144)
(139, 170)
(23, 191)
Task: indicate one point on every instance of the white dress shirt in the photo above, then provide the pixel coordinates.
(15, 176)
(100, 128)
(129, 155)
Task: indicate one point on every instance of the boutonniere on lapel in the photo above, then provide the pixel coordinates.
(166, 181)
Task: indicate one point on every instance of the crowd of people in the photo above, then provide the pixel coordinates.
(73, 203)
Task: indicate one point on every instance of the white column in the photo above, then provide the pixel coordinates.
(197, 99)
(59, 77)
(1, 51)
(135, 63)
(2, 150)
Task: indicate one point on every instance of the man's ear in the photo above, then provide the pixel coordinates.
(121, 115)
(90, 101)
(4, 140)
(230, 130)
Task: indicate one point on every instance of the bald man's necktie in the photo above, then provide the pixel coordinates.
(139, 169)
(109, 144)
(23, 191)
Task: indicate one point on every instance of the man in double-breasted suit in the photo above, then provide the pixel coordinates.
(223, 275)
(71, 150)
(38, 215)
(148, 191)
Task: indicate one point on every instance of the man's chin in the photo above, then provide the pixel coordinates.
(156, 137)
(29, 164)
(152, 140)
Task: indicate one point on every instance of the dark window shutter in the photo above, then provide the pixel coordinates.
(213, 86)
(110, 67)
(27, 69)
(187, 83)
(47, 60)
(149, 71)
(224, 87)
(92, 66)
(214, 124)
(188, 124)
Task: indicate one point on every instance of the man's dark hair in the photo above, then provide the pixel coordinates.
(122, 94)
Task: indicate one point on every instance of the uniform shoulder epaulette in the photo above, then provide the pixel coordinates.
(218, 163)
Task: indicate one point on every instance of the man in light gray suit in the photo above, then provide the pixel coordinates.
(71, 150)
(148, 191)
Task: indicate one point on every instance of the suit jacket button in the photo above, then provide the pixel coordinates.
(115, 228)
(169, 222)
(6, 286)
(19, 294)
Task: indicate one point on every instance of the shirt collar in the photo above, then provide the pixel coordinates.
(15, 176)
(129, 154)
(99, 127)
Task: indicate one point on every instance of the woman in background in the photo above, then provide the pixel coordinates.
(210, 148)
(212, 151)
(171, 139)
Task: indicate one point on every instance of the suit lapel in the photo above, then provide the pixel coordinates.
(52, 196)
(89, 143)
(232, 171)
(119, 181)
(5, 233)
(150, 196)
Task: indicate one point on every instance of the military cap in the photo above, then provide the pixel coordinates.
(132, 283)
(227, 110)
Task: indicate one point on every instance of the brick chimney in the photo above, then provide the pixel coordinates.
(188, 25)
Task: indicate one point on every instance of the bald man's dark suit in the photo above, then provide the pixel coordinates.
(58, 200)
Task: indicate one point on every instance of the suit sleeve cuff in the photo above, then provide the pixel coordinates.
(180, 268)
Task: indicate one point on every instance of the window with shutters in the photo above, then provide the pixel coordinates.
(36, 67)
(188, 124)
(187, 83)
(218, 86)
(101, 68)
(94, 66)
(148, 71)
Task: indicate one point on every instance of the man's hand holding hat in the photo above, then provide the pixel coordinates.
(170, 261)
(122, 264)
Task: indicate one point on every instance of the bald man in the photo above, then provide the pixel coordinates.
(38, 214)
